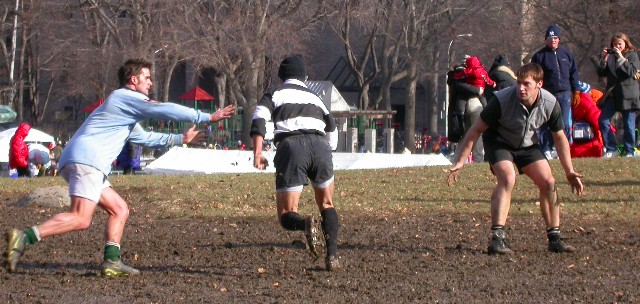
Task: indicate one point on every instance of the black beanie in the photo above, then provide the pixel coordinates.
(502, 60)
(292, 67)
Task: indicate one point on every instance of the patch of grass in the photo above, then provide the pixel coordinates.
(612, 190)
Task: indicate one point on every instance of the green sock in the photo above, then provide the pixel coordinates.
(112, 251)
(31, 235)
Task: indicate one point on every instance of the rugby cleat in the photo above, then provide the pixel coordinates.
(332, 264)
(117, 269)
(559, 246)
(498, 243)
(15, 248)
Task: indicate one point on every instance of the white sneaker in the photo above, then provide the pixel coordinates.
(547, 154)
(610, 154)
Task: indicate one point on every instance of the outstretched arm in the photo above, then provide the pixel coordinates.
(562, 147)
(470, 138)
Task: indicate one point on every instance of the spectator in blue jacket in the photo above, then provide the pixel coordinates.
(129, 158)
(561, 79)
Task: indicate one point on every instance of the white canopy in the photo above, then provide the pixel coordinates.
(35, 135)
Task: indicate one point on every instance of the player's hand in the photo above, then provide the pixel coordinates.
(193, 136)
(260, 162)
(454, 172)
(222, 114)
(575, 182)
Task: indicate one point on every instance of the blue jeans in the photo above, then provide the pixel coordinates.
(545, 140)
(629, 121)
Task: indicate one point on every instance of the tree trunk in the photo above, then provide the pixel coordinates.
(433, 105)
(410, 110)
(166, 82)
(221, 86)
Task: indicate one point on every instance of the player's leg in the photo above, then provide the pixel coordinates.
(540, 172)
(330, 223)
(322, 178)
(118, 211)
(500, 205)
(85, 186)
(287, 208)
(78, 218)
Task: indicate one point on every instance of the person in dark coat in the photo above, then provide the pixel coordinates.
(501, 74)
(619, 63)
(465, 106)
(129, 158)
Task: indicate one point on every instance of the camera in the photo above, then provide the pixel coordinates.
(611, 51)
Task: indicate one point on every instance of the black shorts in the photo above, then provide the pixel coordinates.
(521, 157)
(299, 157)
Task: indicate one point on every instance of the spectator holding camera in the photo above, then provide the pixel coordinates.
(619, 63)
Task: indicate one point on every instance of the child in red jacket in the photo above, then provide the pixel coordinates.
(585, 110)
(476, 75)
(19, 151)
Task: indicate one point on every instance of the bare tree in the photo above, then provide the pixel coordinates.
(392, 44)
(358, 24)
(242, 41)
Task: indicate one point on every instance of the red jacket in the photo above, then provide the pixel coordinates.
(475, 74)
(18, 149)
(586, 110)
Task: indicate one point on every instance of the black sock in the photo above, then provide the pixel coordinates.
(553, 233)
(497, 227)
(330, 227)
(292, 221)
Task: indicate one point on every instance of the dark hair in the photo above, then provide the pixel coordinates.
(627, 42)
(530, 69)
(132, 67)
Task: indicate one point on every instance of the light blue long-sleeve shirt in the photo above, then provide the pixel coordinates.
(101, 137)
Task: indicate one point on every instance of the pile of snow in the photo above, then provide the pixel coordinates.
(180, 160)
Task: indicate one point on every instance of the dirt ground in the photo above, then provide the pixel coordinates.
(396, 258)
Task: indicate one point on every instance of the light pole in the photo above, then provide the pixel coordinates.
(446, 78)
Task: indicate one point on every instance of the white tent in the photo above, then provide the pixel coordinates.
(35, 136)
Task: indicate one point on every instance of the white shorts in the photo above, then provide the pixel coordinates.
(84, 181)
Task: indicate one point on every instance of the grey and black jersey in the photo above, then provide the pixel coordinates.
(294, 110)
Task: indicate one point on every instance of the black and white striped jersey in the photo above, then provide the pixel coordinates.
(294, 110)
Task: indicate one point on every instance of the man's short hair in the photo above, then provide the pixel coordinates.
(132, 67)
(530, 69)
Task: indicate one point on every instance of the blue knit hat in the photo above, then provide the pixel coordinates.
(552, 30)
(584, 87)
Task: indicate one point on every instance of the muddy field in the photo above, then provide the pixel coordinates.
(396, 258)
